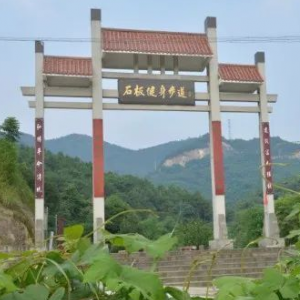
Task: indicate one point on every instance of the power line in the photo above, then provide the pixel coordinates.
(284, 39)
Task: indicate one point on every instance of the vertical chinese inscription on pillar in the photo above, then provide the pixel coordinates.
(267, 157)
(39, 158)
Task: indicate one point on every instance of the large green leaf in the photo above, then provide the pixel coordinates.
(80, 291)
(36, 292)
(291, 288)
(104, 267)
(273, 279)
(160, 247)
(177, 294)
(135, 242)
(232, 287)
(58, 294)
(55, 255)
(270, 296)
(148, 284)
(18, 269)
(74, 232)
(135, 294)
(32, 292)
(6, 282)
(91, 254)
(131, 242)
(83, 244)
(71, 270)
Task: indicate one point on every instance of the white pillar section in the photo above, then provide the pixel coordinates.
(213, 69)
(98, 168)
(39, 117)
(271, 229)
(96, 63)
(216, 152)
(99, 212)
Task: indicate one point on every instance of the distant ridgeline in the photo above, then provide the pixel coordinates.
(186, 163)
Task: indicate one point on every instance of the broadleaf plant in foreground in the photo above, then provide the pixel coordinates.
(80, 270)
(282, 282)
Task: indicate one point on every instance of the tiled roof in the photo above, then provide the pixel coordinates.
(82, 66)
(73, 66)
(239, 73)
(155, 42)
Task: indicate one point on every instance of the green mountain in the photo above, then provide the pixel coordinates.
(117, 159)
(68, 194)
(186, 163)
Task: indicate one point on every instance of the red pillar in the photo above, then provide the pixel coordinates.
(98, 158)
(218, 158)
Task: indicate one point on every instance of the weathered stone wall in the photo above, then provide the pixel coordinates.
(14, 234)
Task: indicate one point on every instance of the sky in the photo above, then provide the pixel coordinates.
(71, 19)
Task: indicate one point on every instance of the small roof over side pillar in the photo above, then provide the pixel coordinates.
(239, 78)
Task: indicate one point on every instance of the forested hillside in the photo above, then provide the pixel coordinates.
(186, 163)
(68, 188)
(16, 198)
(68, 194)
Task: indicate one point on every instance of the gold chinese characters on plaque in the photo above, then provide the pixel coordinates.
(163, 92)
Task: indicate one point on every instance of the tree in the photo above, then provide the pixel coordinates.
(248, 225)
(75, 208)
(152, 228)
(8, 162)
(10, 129)
(194, 233)
(284, 206)
(113, 206)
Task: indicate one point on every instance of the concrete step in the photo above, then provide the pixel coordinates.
(188, 262)
(217, 271)
(192, 256)
(193, 253)
(203, 281)
(206, 266)
(200, 257)
(174, 268)
(209, 252)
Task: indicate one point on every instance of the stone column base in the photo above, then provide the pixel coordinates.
(271, 233)
(39, 234)
(272, 243)
(220, 244)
